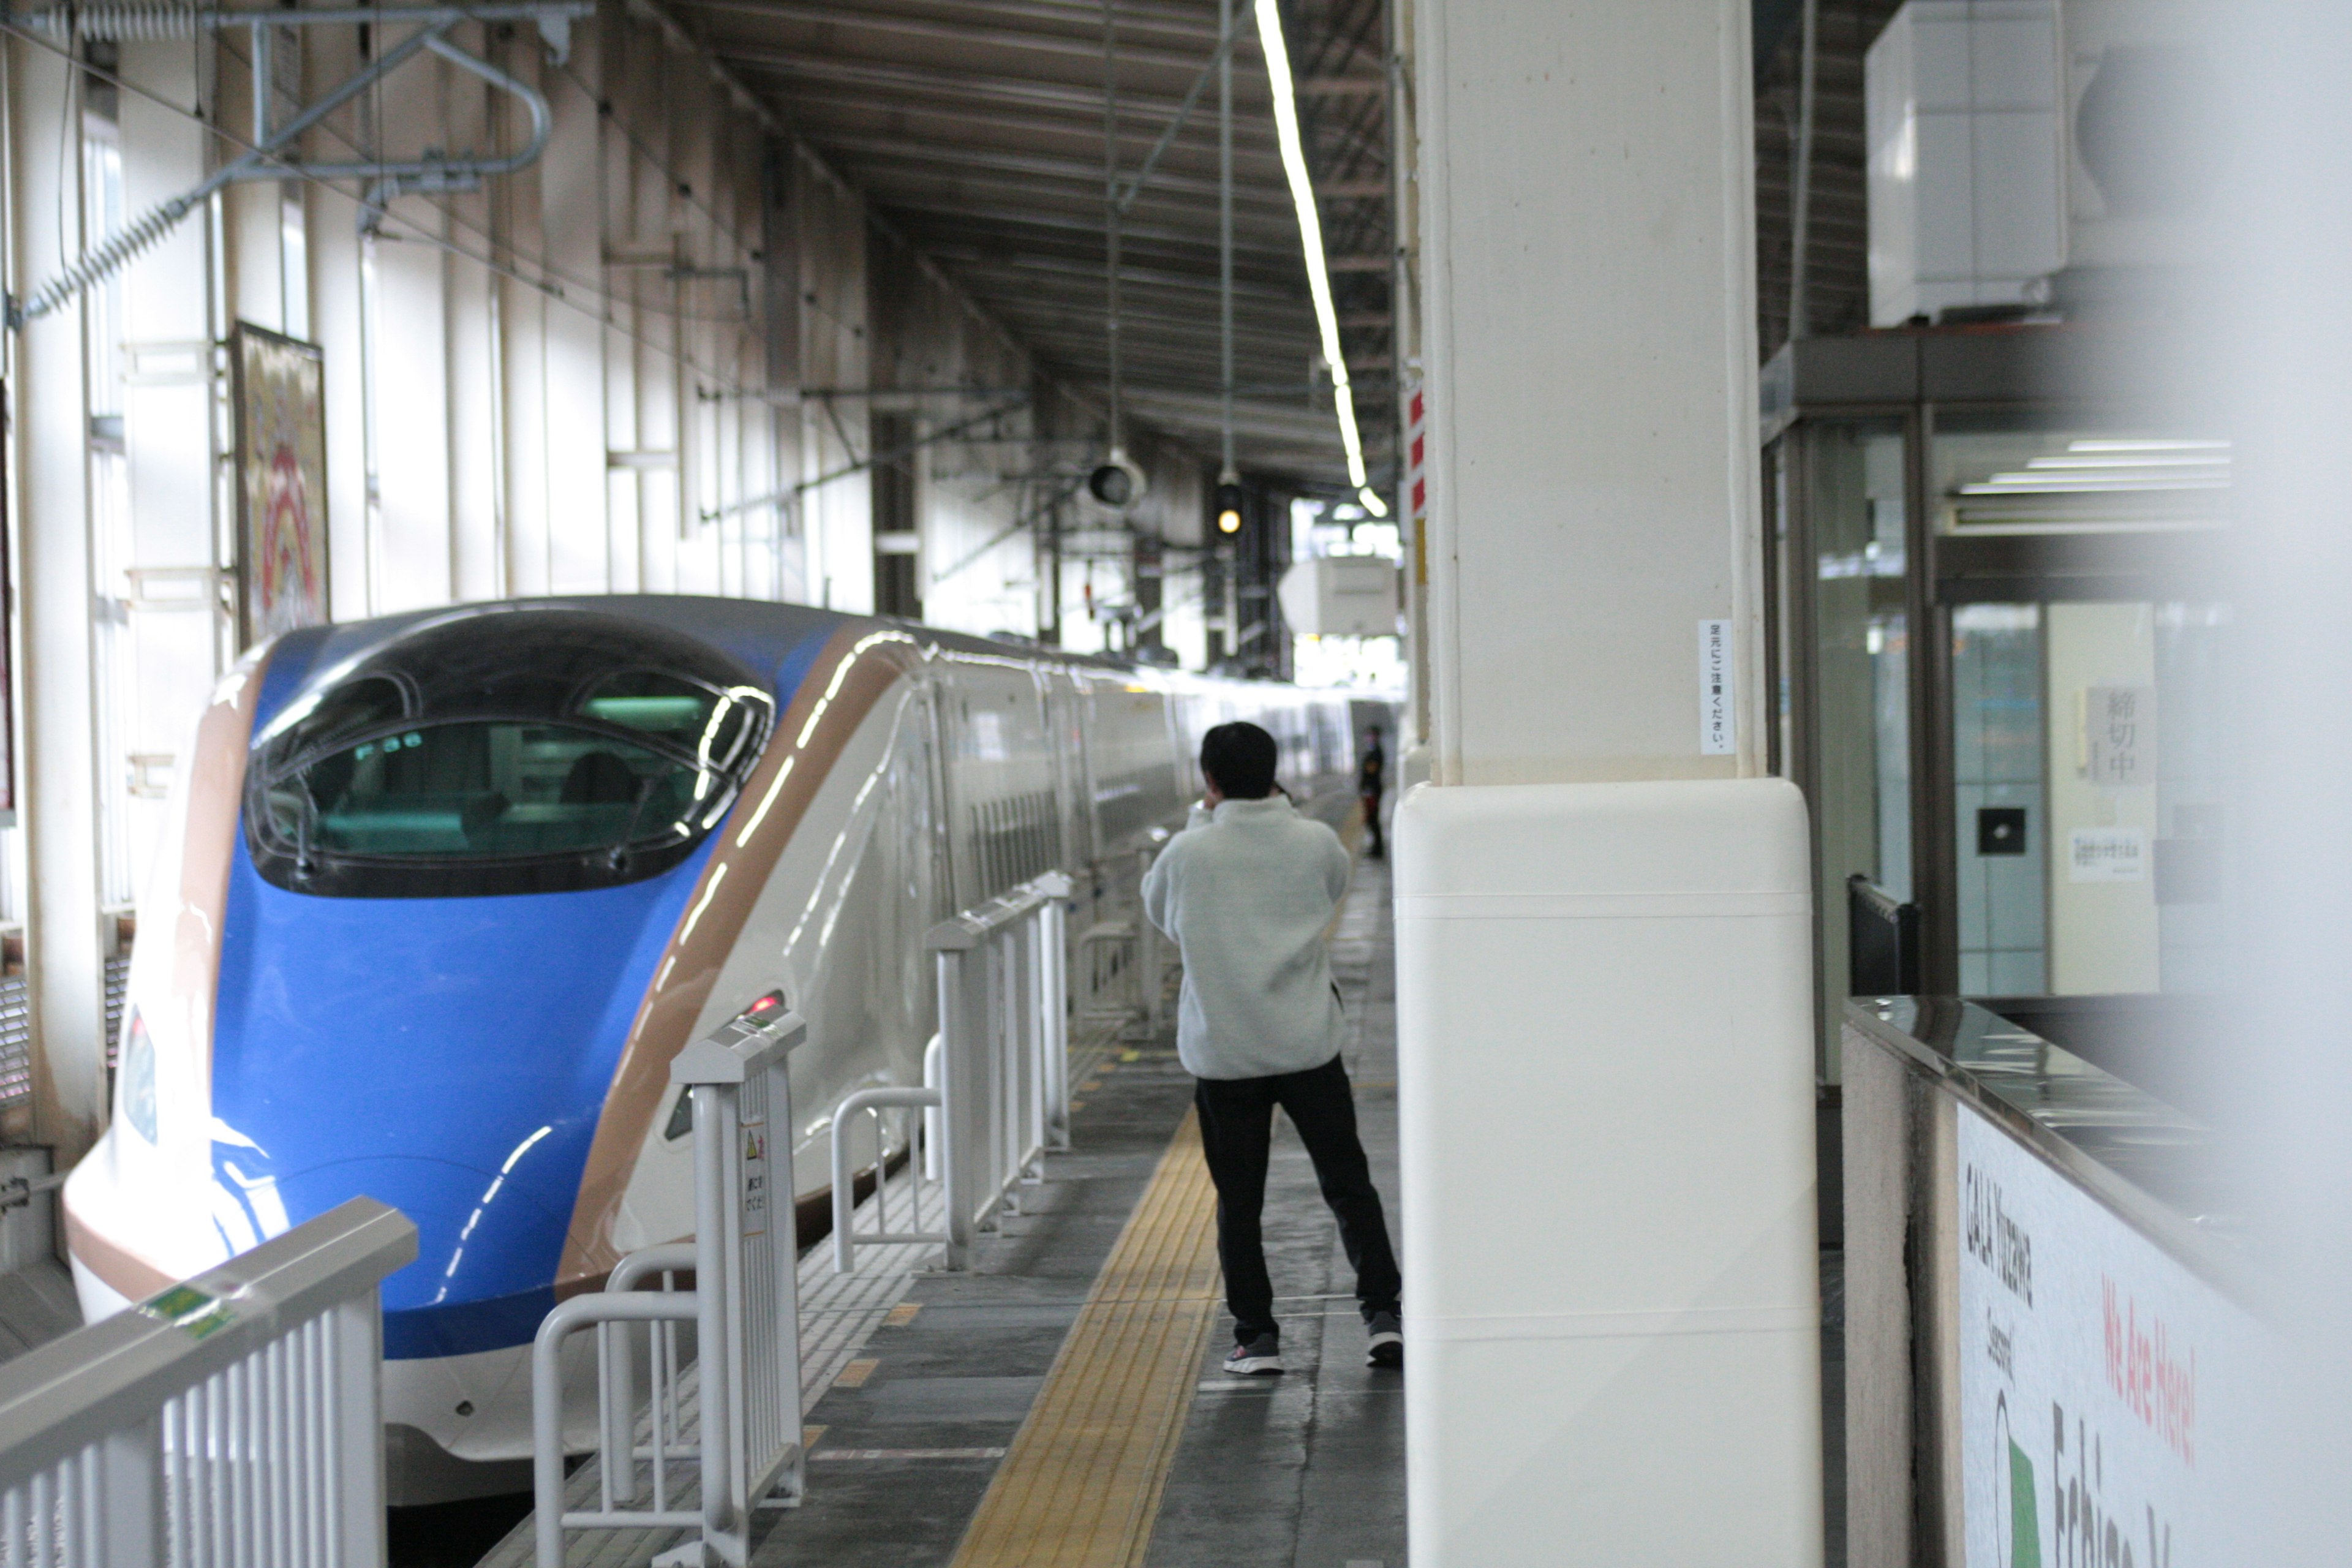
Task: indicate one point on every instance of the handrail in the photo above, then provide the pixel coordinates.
(745, 1307)
(163, 1434)
(996, 1091)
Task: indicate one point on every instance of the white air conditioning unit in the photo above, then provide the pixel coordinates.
(1964, 106)
(1341, 596)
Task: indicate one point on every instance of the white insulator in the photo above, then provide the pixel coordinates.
(108, 258)
(128, 24)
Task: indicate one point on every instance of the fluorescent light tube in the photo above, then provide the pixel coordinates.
(1310, 239)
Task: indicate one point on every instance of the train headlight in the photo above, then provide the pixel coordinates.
(139, 1079)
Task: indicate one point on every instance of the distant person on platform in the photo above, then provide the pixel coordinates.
(1372, 782)
(1248, 891)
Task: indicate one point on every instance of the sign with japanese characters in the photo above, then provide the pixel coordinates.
(2119, 735)
(2107, 855)
(1717, 693)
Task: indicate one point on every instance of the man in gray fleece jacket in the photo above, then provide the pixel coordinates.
(1248, 891)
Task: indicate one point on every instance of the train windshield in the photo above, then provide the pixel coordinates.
(524, 754)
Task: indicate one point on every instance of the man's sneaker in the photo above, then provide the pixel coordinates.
(1388, 1340)
(1261, 1357)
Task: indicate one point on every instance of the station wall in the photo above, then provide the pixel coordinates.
(651, 361)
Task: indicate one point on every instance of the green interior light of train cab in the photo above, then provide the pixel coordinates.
(684, 713)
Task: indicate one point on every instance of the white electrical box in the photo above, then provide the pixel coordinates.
(1341, 596)
(1965, 120)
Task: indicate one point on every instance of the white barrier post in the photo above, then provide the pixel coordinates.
(745, 1306)
(1150, 968)
(958, 1125)
(1054, 1014)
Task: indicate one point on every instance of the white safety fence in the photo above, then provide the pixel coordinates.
(1123, 963)
(999, 1097)
(232, 1421)
(725, 1425)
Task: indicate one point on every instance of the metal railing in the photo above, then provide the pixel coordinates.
(744, 1441)
(1000, 1096)
(234, 1421)
(1124, 962)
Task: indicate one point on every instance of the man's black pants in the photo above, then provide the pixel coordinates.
(1237, 1129)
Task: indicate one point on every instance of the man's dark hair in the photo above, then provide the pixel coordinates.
(1239, 758)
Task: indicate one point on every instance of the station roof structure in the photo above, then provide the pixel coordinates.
(978, 130)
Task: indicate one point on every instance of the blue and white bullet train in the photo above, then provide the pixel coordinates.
(445, 892)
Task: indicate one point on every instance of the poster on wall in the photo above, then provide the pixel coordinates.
(2111, 1401)
(281, 482)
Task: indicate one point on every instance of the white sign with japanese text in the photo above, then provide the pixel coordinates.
(2119, 735)
(2107, 855)
(1718, 691)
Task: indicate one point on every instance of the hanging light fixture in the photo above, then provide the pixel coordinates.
(1310, 238)
(1117, 481)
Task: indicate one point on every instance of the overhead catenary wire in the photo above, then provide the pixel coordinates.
(792, 493)
(551, 282)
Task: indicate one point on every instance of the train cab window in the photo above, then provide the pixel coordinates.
(506, 754)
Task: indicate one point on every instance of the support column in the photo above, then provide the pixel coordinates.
(66, 963)
(1603, 963)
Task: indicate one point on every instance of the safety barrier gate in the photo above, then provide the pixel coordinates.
(232, 1421)
(1124, 962)
(1000, 1094)
(745, 1441)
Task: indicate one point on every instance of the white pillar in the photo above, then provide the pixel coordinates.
(1603, 981)
(54, 591)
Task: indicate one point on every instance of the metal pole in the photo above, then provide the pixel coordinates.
(1801, 206)
(1225, 232)
(1110, 206)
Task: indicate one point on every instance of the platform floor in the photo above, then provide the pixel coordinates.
(1061, 1403)
(1054, 1340)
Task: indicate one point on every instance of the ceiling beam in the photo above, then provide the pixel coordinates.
(841, 23)
(1038, 165)
(1179, 23)
(899, 76)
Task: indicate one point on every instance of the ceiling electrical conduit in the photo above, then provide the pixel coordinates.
(386, 179)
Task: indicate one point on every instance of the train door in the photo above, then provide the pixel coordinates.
(1003, 769)
(1060, 693)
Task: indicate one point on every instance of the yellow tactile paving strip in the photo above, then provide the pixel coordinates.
(1081, 1485)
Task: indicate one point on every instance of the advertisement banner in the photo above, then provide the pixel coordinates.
(2109, 1398)
(281, 482)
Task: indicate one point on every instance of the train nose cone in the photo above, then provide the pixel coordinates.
(482, 1275)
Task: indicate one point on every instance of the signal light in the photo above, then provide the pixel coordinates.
(1229, 507)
